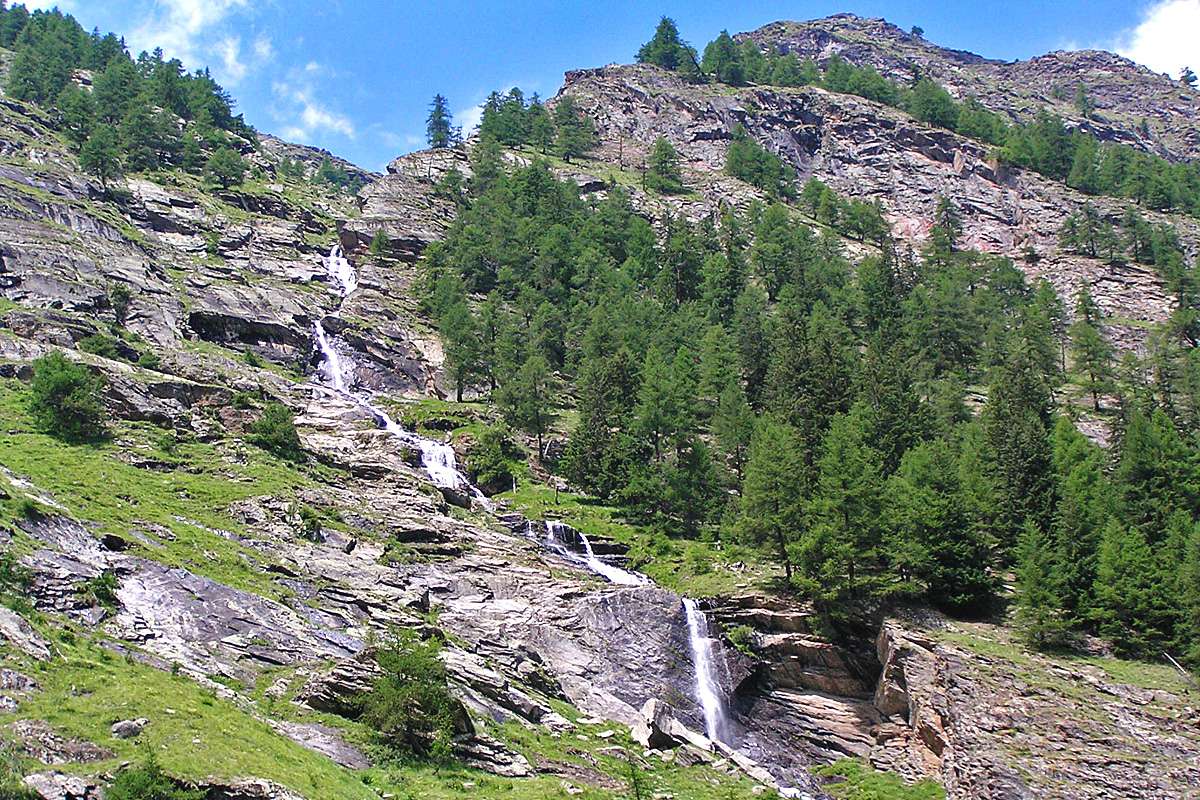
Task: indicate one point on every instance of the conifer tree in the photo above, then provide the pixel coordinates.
(722, 60)
(461, 338)
(774, 492)
(664, 175)
(1126, 601)
(541, 127)
(1090, 351)
(842, 548)
(576, 134)
(100, 156)
(1039, 603)
(733, 425)
(666, 49)
(439, 130)
(525, 399)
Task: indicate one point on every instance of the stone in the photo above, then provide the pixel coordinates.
(129, 728)
(60, 786)
(22, 636)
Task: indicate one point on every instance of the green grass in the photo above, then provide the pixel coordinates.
(851, 779)
(193, 733)
(191, 500)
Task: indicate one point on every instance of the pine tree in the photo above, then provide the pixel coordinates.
(1083, 505)
(664, 175)
(1039, 604)
(439, 131)
(1090, 351)
(733, 425)
(100, 156)
(666, 49)
(931, 539)
(774, 492)
(842, 551)
(541, 127)
(225, 168)
(461, 338)
(723, 61)
(1126, 596)
(525, 400)
(576, 134)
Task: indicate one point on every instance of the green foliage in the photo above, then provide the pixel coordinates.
(663, 175)
(851, 779)
(439, 130)
(99, 344)
(148, 781)
(101, 590)
(380, 244)
(100, 156)
(492, 457)
(410, 708)
(225, 168)
(667, 50)
(119, 298)
(747, 160)
(337, 175)
(134, 113)
(576, 132)
(275, 432)
(65, 399)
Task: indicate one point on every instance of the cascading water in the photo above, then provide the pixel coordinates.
(559, 537)
(437, 458)
(708, 691)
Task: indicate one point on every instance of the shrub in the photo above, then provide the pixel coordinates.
(252, 358)
(491, 458)
(742, 638)
(101, 590)
(65, 400)
(380, 245)
(410, 707)
(275, 432)
(119, 297)
(149, 360)
(855, 780)
(100, 345)
(147, 781)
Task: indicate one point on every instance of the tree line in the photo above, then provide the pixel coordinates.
(122, 113)
(738, 378)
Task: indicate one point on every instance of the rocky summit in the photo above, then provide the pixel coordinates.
(814, 416)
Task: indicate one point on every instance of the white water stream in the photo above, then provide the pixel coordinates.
(439, 461)
(701, 643)
(437, 458)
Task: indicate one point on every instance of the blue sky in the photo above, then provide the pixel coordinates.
(356, 77)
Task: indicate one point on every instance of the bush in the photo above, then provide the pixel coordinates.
(101, 590)
(490, 460)
(252, 358)
(410, 707)
(147, 781)
(742, 638)
(275, 432)
(149, 360)
(225, 168)
(119, 297)
(100, 345)
(65, 399)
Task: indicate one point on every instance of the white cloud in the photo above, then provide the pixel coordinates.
(469, 118)
(1166, 38)
(263, 49)
(230, 51)
(303, 113)
(177, 26)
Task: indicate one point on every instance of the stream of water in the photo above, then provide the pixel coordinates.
(437, 458)
(439, 461)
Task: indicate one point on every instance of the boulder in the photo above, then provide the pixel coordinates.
(129, 728)
(58, 786)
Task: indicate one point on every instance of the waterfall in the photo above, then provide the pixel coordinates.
(437, 458)
(340, 270)
(557, 537)
(708, 692)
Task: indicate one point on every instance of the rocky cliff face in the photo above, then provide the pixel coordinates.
(233, 620)
(868, 151)
(1125, 94)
